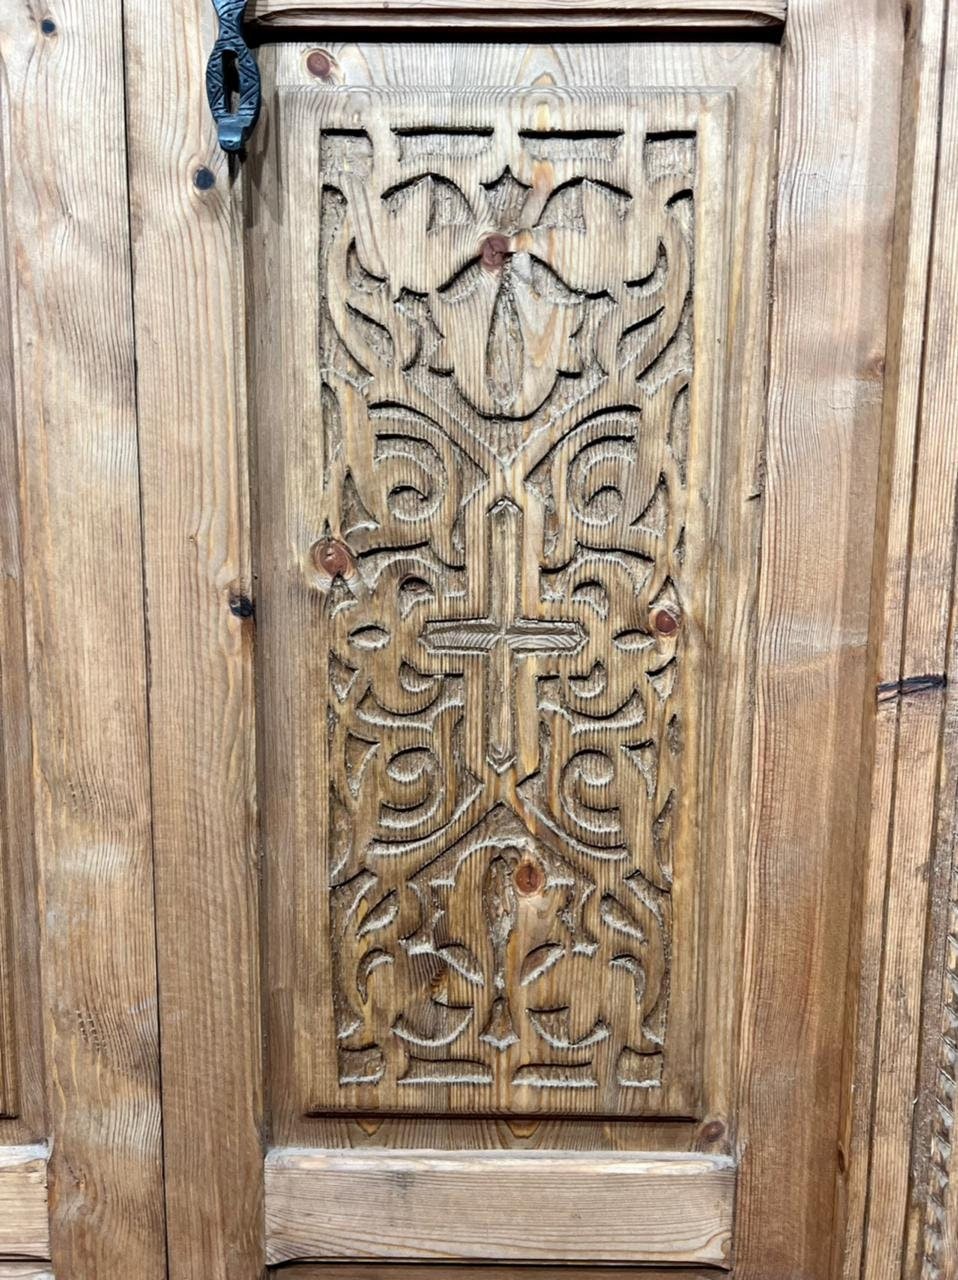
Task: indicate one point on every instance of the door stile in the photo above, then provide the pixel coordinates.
(190, 308)
(66, 222)
(837, 168)
(897, 803)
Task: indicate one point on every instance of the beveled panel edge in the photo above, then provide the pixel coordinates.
(716, 15)
(437, 1206)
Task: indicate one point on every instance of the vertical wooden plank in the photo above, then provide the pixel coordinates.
(63, 63)
(897, 809)
(932, 1222)
(190, 310)
(839, 135)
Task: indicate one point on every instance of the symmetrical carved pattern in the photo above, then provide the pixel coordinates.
(507, 352)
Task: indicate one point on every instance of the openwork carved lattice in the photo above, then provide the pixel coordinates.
(506, 342)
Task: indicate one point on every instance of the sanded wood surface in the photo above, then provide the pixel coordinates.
(69, 237)
(290, 615)
(913, 571)
(930, 648)
(839, 140)
(18, 941)
(190, 319)
(495, 672)
(440, 1271)
(508, 1207)
(24, 1221)
(662, 14)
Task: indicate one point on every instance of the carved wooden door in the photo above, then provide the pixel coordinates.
(546, 473)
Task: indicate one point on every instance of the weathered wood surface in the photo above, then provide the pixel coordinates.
(833, 233)
(32, 1271)
(503, 624)
(432, 1271)
(288, 296)
(506, 1207)
(190, 310)
(930, 646)
(913, 570)
(69, 238)
(660, 14)
(19, 1000)
(24, 1221)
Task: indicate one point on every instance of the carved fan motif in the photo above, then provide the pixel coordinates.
(507, 351)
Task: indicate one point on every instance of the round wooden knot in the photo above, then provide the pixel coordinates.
(333, 558)
(319, 64)
(666, 621)
(714, 1131)
(529, 878)
(495, 250)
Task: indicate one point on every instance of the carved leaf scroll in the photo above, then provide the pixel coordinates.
(506, 342)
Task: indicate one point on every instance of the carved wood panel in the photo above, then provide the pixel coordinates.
(515, 316)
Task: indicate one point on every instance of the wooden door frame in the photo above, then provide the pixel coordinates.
(77, 435)
(815, 725)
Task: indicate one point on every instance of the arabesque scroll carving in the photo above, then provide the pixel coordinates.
(506, 339)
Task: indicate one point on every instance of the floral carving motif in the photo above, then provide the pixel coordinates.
(506, 346)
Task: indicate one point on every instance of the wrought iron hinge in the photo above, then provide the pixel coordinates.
(233, 83)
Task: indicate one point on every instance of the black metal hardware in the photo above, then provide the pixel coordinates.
(232, 70)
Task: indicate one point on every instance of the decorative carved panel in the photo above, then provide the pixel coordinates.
(514, 322)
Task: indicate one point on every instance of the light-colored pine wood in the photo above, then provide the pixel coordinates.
(510, 1207)
(833, 233)
(190, 320)
(24, 1220)
(508, 808)
(931, 1176)
(67, 223)
(752, 71)
(409, 1271)
(705, 15)
(898, 814)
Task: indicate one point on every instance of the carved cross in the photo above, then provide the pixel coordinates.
(504, 636)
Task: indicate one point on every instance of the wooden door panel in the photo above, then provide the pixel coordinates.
(507, 1206)
(498, 506)
(490, 594)
(482, 902)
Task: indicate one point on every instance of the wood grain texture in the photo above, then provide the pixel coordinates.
(751, 70)
(932, 1218)
(506, 598)
(68, 230)
(710, 15)
(509, 1207)
(839, 139)
(438, 1271)
(913, 580)
(190, 318)
(24, 1219)
(17, 938)
(26, 1271)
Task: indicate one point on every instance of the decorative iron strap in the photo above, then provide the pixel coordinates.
(232, 58)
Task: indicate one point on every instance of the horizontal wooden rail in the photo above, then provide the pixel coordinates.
(687, 14)
(24, 1220)
(498, 1206)
(434, 1271)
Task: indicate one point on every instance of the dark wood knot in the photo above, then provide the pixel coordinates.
(495, 250)
(666, 620)
(333, 558)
